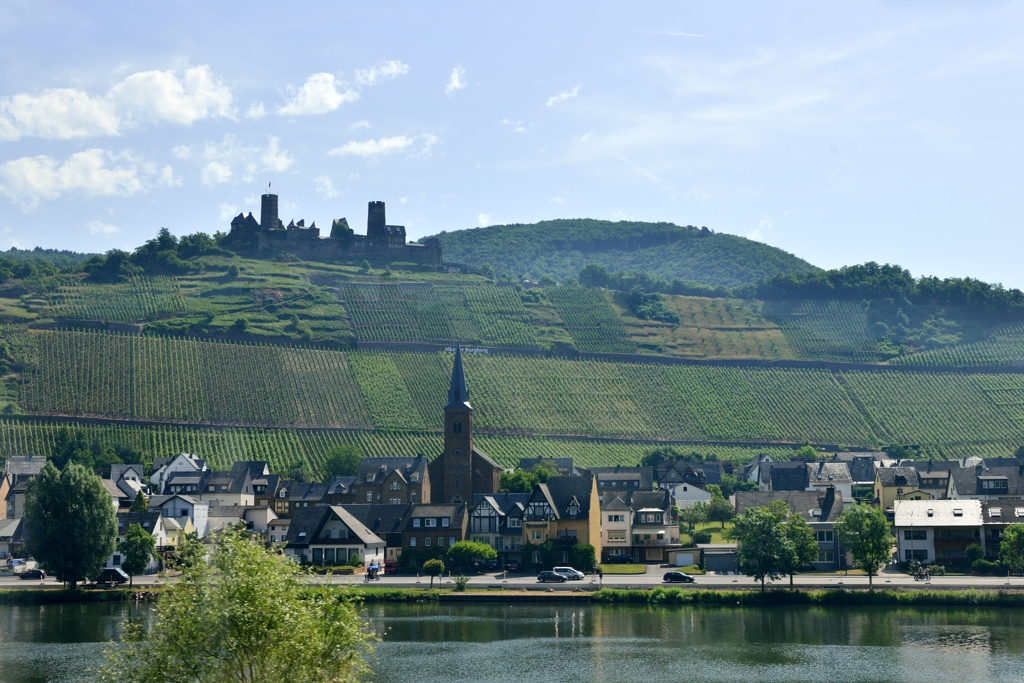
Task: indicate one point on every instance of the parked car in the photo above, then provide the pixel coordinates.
(32, 575)
(677, 577)
(390, 567)
(544, 577)
(112, 576)
(492, 565)
(513, 566)
(620, 559)
(570, 573)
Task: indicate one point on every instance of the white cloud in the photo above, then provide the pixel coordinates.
(586, 136)
(156, 96)
(275, 159)
(101, 228)
(557, 200)
(221, 160)
(256, 111)
(455, 82)
(167, 178)
(227, 212)
(383, 72)
(215, 173)
(484, 219)
(403, 200)
(373, 148)
(755, 235)
(564, 95)
(325, 187)
(359, 124)
(29, 180)
(318, 95)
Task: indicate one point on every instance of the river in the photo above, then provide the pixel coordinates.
(558, 643)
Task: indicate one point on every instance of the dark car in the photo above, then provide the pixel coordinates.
(544, 577)
(677, 577)
(513, 566)
(492, 565)
(112, 576)
(620, 559)
(32, 575)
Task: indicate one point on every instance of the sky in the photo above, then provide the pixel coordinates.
(841, 132)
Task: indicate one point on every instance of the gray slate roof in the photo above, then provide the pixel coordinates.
(787, 476)
(897, 476)
(376, 470)
(24, 464)
(967, 480)
(645, 474)
(828, 472)
(799, 502)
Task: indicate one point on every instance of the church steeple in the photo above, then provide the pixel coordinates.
(458, 394)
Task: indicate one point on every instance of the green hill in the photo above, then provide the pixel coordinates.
(561, 248)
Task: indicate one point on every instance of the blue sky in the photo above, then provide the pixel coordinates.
(842, 132)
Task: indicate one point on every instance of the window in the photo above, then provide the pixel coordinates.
(456, 427)
(412, 542)
(426, 542)
(574, 509)
(416, 522)
(823, 537)
(567, 533)
(395, 486)
(117, 560)
(616, 518)
(302, 534)
(915, 534)
(617, 536)
(395, 501)
(515, 523)
(535, 536)
(451, 540)
(915, 554)
(826, 556)
(440, 541)
(412, 498)
(431, 522)
(444, 522)
(456, 481)
(272, 538)
(369, 496)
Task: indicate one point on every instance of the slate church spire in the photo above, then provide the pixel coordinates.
(458, 394)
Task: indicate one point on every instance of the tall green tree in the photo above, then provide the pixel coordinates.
(864, 531)
(720, 510)
(801, 546)
(462, 555)
(245, 617)
(762, 542)
(136, 547)
(1011, 548)
(432, 568)
(342, 461)
(140, 504)
(70, 523)
(693, 515)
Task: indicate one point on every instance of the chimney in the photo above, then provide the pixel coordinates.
(830, 498)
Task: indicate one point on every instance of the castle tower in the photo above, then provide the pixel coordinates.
(376, 230)
(458, 438)
(268, 212)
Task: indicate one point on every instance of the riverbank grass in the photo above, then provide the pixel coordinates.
(623, 568)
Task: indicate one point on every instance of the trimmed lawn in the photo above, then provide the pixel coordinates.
(716, 532)
(623, 568)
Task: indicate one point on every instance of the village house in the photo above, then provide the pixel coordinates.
(340, 491)
(11, 537)
(152, 523)
(330, 535)
(18, 470)
(163, 468)
(434, 528)
(639, 524)
(497, 520)
(936, 531)
(181, 507)
(565, 509)
(986, 483)
(391, 481)
(897, 483)
(387, 521)
(819, 508)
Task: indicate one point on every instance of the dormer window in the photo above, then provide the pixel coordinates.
(574, 509)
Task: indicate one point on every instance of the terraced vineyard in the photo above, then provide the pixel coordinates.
(284, 448)
(159, 378)
(439, 315)
(1005, 347)
(137, 299)
(829, 330)
(591, 320)
(82, 373)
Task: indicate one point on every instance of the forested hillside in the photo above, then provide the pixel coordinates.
(561, 248)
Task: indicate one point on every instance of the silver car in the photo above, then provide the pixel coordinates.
(569, 573)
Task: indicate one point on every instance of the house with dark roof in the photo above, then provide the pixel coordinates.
(687, 484)
(618, 478)
(820, 509)
(390, 481)
(825, 474)
(130, 479)
(565, 509)
(330, 535)
(897, 483)
(182, 507)
(497, 520)
(18, 470)
(435, 527)
(163, 468)
(341, 491)
(933, 475)
(151, 522)
(996, 516)
(986, 483)
(387, 521)
(784, 476)
(307, 495)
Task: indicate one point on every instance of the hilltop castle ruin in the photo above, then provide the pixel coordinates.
(271, 235)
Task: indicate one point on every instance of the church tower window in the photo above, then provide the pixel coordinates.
(457, 427)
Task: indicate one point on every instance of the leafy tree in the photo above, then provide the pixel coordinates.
(523, 481)
(1011, 548)
(365, 266)
(720, 510)
(864, 530)
(115, 266)
(801, 546)
(342, 461)
(75, 446)
(487, 270)
(300, 473)
(70, 524)
(189, 552)
(762, 542)
(547, 281)
(593, 275)
(973, 552)
(232, 271)
(432, 568)
(240, 325)
(807, 454)
(136, 547)
(246, 617)
(140, 504)
(583, 556)
(693, 515)
(462, 555)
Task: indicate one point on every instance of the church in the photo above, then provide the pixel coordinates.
(462, 469)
